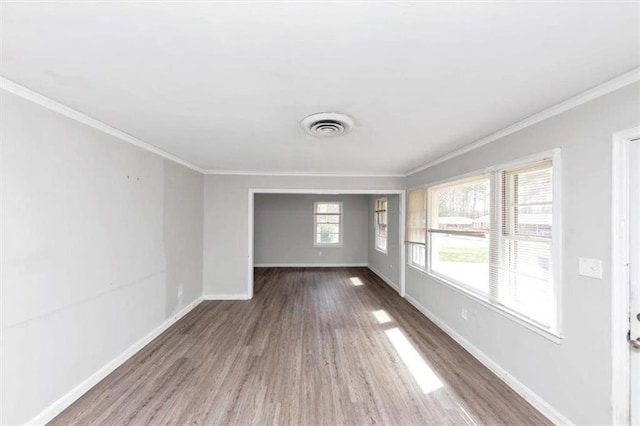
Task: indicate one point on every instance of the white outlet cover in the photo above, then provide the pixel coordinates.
(590, 268)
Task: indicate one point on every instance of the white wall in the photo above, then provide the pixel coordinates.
(575, 375)
(386, 264)
(284, 232)
(91, 259)
(226, 229)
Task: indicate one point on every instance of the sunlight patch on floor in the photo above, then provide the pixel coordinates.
(424, 375)
(356, 281)
(382, 316)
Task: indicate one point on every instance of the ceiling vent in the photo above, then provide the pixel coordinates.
(326, 124)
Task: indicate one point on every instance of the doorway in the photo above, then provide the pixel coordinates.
(626, 277)
(253, 192)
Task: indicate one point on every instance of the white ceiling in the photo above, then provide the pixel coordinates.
(224, 85)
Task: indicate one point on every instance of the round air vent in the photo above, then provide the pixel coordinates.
(327, 124)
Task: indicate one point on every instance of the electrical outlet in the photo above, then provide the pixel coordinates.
(391, 266)
(180, 290)
(463, 313)
(320, 253)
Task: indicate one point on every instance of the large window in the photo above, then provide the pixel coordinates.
(458, 232)
(327, 223)
(491, 235)
(380, 215)
(416, 227)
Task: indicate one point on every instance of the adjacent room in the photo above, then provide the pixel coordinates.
(305, 213)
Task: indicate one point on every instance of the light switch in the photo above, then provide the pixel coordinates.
(590, 267)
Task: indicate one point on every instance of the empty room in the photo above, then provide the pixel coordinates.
(319, 212)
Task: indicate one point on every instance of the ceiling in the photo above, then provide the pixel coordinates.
(225, 85)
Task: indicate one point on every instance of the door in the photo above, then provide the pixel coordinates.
(634, 275)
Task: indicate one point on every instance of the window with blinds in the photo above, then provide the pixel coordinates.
(492, 235)
(380, 215)
(522, 279)
(416, 227)
(327, 223)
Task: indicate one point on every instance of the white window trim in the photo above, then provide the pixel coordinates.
(315, 225)
(409, 257)
(555, 335)
(375, 224)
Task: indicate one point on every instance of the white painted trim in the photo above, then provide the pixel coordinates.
(70, 397)
(620, 390)
(299, 174)
(384, 278)
(226, 297)
(584, 97)
(530, 396)
(76, 115)
(310, 265)
(402, 249)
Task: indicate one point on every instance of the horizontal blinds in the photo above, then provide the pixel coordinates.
(416, 216)
(521, 273)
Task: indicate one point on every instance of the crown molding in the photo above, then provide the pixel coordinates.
(584, 97)
(23, 92)
(298, 174)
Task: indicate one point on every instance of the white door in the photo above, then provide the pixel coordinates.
(634, 269)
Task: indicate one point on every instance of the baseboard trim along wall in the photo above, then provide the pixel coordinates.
(70, 397)
(226, 297)
(531, 397)
(391, 284)
(310, 265)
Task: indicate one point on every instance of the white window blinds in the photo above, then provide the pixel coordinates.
(521, 277)
(416, 217)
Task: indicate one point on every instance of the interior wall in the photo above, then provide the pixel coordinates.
(386, 264)
(574, 376)
(98, 240)
(284, 230)
(226, 221)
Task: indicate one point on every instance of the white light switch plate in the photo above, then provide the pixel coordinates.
(590, 267)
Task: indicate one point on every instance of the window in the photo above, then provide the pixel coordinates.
(415, 232)
(380, 215)
(491, 235)
(458, 232)
(327, 224)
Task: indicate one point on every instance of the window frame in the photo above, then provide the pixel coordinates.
(377, 225)
(554, 332)
(340, 223)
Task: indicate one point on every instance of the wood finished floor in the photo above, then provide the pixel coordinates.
(312, 347)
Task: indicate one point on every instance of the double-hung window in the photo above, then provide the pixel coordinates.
(458, 232)
(327, 223)
(493, 235)
(380, 215)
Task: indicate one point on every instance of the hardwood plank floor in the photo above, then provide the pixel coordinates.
(314, 346)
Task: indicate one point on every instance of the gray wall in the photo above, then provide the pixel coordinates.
(283, 230)
(386, 264)
(91, 261)
(575, 375)
(226, 247)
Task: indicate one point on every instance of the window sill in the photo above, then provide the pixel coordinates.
(549, 335)
(381, 251)
(327, 245)
(418, 268)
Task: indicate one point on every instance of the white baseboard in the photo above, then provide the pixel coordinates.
(534, 399)
(393, 285)
(310, 265)
(70, 397)
(225, 297)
